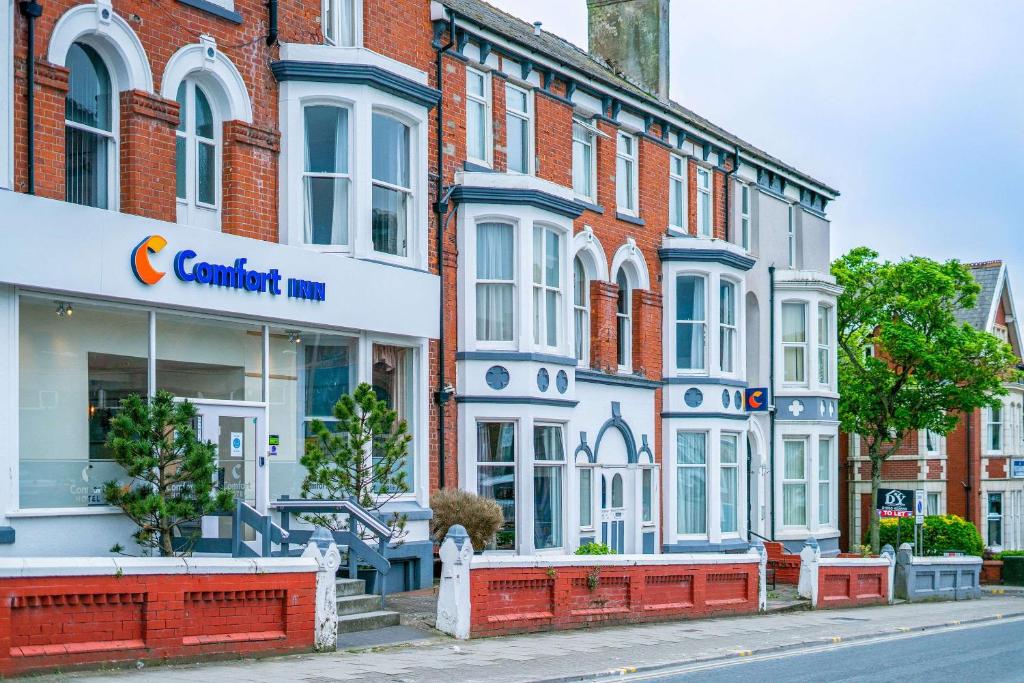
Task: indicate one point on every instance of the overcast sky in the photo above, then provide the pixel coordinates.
(913, 109)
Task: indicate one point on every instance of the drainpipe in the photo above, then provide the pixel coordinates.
(31, 10)
(728, 177)
(271, 22)
(444, 391)
(771, 394)
(968, 487)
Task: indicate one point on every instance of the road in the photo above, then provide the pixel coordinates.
(989, 652)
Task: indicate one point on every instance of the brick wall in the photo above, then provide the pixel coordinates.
(852, 585)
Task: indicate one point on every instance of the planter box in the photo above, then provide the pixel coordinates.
(937, 578)
(991, 572)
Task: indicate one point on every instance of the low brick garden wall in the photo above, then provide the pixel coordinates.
(60, 613)
(853, 582)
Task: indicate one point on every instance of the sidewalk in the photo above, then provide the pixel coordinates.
(579, 653)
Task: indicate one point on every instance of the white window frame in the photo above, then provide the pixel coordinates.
(542, 289)
(585, 135)
(999, 517)
(485, 101)
(802, 346)
(513, 282)
(804, 482)
(735, 466)
(707, 485)
(332, 248)
(624, 347)
(553, 464)
(516, 466)
(705, 218)
(678, 200)
(409, 192)
(935, 440)
(744, 213)
(113, 135)
(937, 497)
(526, 117)
(191, 211)
(824, 358)
(732, 329)
(331, 21)
(584, 465)
(581, 312)
(629, 160)
(992, 423)
(702, 325)
(824, 466)
(791, 238)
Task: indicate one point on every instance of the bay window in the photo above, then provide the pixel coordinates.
(794, 482)
(339, 22)
(90, 130)
(478, 117)
(547, 292)
(691, 483)
(624, 321)
(584, 166)
(496, 475)
(727, 326)
(729, 482)
(392, 185)
(994, 429)
(197, 155)
(677, 204)
(705, 207)
(495, 282)
(548, 466)
(794, 342)
(326, 177)
(518, 129)
(824, 480)
(581, 311)
(691, 325)
(626, 193)
(824, 345)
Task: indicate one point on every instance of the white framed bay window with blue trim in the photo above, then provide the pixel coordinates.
(706, 501)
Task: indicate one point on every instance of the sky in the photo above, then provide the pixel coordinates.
(912, 109)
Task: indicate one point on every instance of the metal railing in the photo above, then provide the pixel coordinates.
(244, 515)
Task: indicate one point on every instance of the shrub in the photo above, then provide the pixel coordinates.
(594, 549)
(1008, 553)
(481, 517)
(941, 533)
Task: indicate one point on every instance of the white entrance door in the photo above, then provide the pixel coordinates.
(613, 509)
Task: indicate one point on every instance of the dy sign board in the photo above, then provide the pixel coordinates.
(895, 503)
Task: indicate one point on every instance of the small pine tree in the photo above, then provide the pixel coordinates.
(361, 456)
(171, 470)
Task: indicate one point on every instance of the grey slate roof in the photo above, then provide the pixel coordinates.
(563, 51)
(987, 276)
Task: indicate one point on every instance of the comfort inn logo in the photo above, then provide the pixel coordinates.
(188, 269)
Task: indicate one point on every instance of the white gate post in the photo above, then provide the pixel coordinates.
(453, 599)
(322, 548)
(809, 556)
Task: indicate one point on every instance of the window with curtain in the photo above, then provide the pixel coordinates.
(995, 519)
(933, 504)
(745, 217)
(518, 129)
(339, 22)
(729, 482)
(584, 168)
(586, 482)
(794, 342)
(794, 482)
(691, 483)
(626, 174)
(478, 116)
(705, 208)
(495, 282)
(197, 155)
(647, 494)
(548, 466)
(824, 480)
(547, 286)
(90, 136)
(931, 441)
(691, 322)
(624, 321)
(581, 310)
(677, 205)
(392, 185)
(496, 475)
(994, 429)
(791, 238)
(326, 177)
(824, 345)
(727, 326)
(393, 383)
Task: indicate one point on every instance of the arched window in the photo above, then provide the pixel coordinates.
(581, 310)
(197, 155)
(624, 321)
(90, 130)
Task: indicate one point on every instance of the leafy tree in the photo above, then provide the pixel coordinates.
(171, 470)
(361, 456)
(905, 363)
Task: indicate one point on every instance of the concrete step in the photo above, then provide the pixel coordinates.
(346, 587)
(356, 604)
(367, 620)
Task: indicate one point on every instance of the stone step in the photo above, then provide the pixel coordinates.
(367, 620)
(347, 587)
(356, 604)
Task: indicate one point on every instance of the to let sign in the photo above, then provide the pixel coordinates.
(895, 503)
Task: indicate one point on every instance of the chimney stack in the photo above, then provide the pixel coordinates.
(632, 36)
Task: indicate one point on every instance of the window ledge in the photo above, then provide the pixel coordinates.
(589, 206)
(214, 9)
(627, 218)
(64, 512)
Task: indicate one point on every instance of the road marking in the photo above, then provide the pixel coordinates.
(623, 671)
(744, 653)
(837, 639)
(903, 629)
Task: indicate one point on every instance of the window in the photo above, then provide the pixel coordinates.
(327, 372)
(995, 519)
(197, 157)
(933, 504)
(518, 129)
(824, 345)
(392, 185)
(626, 174)
(794, 342)
(495, 282)
(931, 441)
(794, 482)
(691, 483)
(647, 494)
(729, 482)
(727, 326)
(478, 117)
(791, 239)
(90, 137)
(548, 465)
(326, 176)
(691, 326)
(496, 475)
(581, 310)
(745, 217)
(393, 383)
(677, 204)
(584, 168)
(586, 481)
(1002, 332)
(824, 481)
(547, 283)
(704, 205)
(623, 320)
(994, 429)
(339, 22)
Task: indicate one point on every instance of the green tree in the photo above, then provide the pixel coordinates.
(171, 471)
(361, 455)
(905, 363)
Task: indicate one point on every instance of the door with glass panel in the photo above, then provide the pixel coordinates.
(613, 509)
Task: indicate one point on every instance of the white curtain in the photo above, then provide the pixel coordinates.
(794, 493)
(691, 483)
(494, 300)
(729, 489)
(326, 209)
(690, 317)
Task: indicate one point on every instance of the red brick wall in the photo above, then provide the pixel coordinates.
(855, 586)
(49, 623)
(996, 468)
(147, 155)
(522, 599)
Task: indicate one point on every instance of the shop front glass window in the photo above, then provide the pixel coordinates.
(393, 383)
